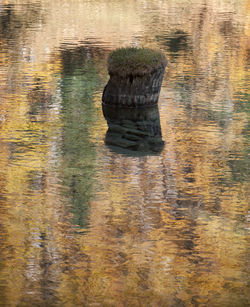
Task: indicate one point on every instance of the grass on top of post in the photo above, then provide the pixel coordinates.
(135, 61)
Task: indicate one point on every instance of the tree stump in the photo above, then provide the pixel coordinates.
(136, 76)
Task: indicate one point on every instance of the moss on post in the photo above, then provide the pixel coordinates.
(135, 61)
(135, 77)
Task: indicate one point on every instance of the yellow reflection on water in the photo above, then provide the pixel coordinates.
(167, 230)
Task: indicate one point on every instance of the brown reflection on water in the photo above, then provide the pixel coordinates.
(167, 230)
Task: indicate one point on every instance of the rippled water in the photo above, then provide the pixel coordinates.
(83, 220)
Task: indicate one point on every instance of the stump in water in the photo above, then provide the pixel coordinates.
(135, 77)
(133, 131)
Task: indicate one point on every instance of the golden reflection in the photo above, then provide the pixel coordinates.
(166, 230)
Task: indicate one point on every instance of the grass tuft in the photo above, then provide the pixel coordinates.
(135, 61)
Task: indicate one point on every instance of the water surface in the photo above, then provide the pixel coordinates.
(87, 224)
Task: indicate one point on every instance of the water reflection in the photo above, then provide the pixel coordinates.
(175, 42)
(12, 20)
(81, 225)
(134, 131)
(79, 82)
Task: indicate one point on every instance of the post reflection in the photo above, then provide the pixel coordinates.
(133, 131)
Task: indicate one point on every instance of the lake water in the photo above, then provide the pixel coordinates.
(86, 221)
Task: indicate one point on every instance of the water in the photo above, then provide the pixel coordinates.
(83, 223)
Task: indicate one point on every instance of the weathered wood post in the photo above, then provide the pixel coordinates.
(135, 77)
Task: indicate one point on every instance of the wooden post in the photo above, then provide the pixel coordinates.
(135, 77)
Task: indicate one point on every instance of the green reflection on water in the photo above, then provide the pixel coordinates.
(79, 82)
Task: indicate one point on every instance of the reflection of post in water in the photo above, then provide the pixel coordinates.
(133, 130)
